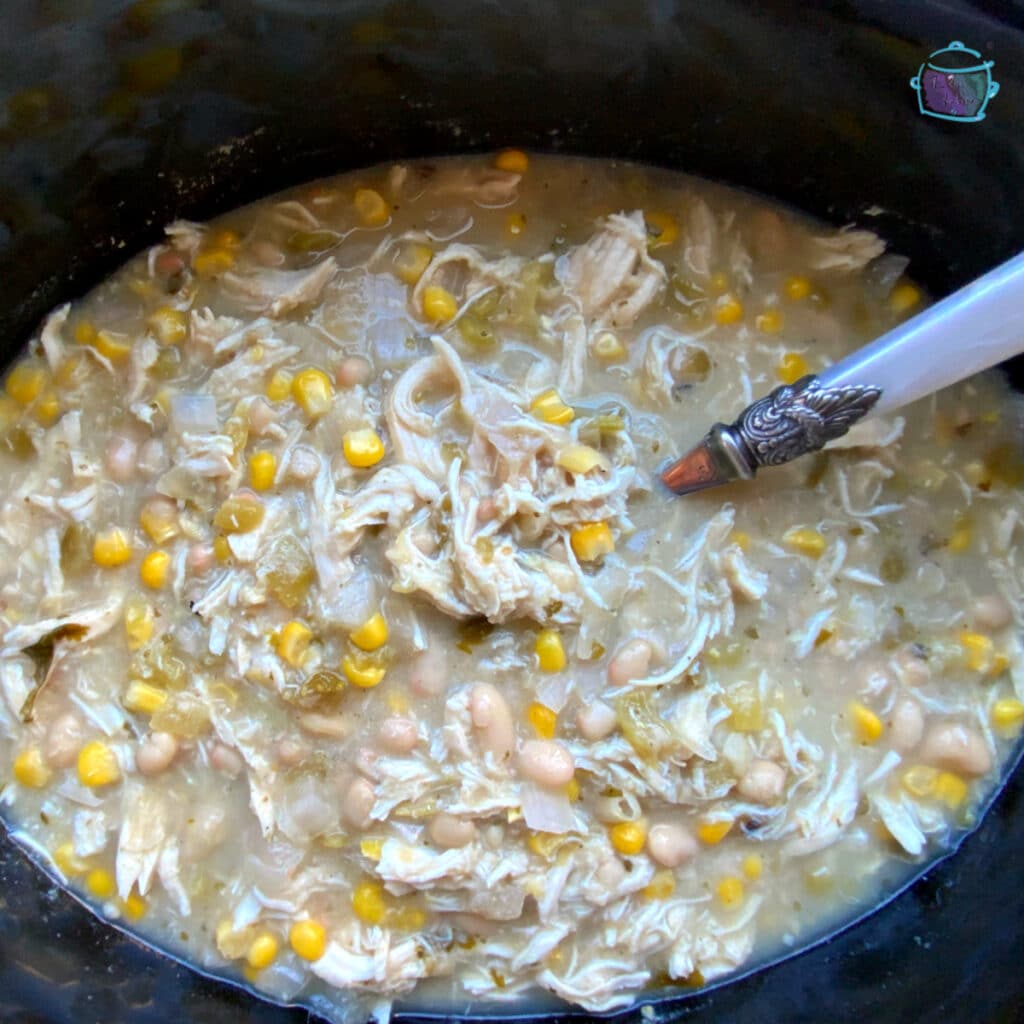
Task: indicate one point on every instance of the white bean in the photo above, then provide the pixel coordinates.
(546, 762)
(226, 760)
(200, 557)
(450, 832)
(907, 726)
(152, 456)
(911, 669)
(596, 721)
(63, 739)
(611, 873)
(351, 371)
(763, 781)
(121, 458)
(630, 661)
(303, 465)
(398, 735)
(357, 803)
(670, 844)
(155, 753)
(335, 727)
(290, 751)
(428, 676)
(956, 747)
(992, 612)
(203, 832)
(492, 721)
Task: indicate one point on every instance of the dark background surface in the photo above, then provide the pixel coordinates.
(117, 117)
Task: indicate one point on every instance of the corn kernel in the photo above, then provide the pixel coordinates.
(515, 224)
(769, 322)
(398, 702)
(719, 282)
(371, 848)
(30, 769)
(371, 207)
(97, 765)
(368, 902)
(241, 513)
(548, 406)
(903, 298)
(313, 391)
(114, 347)
(805, 541)
(68, 862)
(513, 160)
(47, 408)
(154, 569)
(950, 789)
(713, 832)
(662, 229)
(741, 539)
(158, 518)
(412, 261)
(363, 674)
(572, 790)
(85, 332)
(407, 919)
(1008, 716)
(727, 310)
(591, 541)
(221, 549)
(660, 887)
(362, 448)
(262, 470)
(26, 381)
(866, 725)
(730, 892)
(100, 883)
(960, 539)
(262, 951)
(213, 262)
(792, 367)
(580, 459)
(308, 939)
(135, 907)
(293, 643)
(111, 548)
(744, 701)
(542, 718)
(438, 304)
(919, 780)
(279, 387)
(226, 238)
(979, 651)
(796, 289)
(373, 633)
(628, 837)
(144, 698)
(753, 866)
(169, 325)
(607, 347)
(550, 653)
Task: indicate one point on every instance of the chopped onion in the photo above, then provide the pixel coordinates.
(546, 810)
(196, 414)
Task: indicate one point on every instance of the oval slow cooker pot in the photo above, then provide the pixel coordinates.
(115, 118)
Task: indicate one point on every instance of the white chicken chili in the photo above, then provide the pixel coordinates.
(348, 638)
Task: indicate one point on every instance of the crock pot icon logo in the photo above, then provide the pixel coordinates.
(954, 84)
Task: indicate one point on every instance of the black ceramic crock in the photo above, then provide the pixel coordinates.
(117, 117)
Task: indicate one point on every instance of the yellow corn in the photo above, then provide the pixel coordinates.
(262, 951)
(68, 862)
(371, 848)
(960, 539)
(662, 229)
(727, 310)
(47, 408)
(730, 892)
(313, 391)
(807, 542)
(30, 769)
(903, 298)
(438, 304)
(592, 540)
(950, 789)
(262, 470)
(513, 160)
(608, 347)
(371, 207)
(572, 790)
(213, 262)
(308, 939)
(362, 448)
(866, 725)
(979, 651)
(159, 521)
(293, 642)
(628, 837)
(719, 282)
(97, 765)
(114, 347)
(549, 407)
(221, 549)
(26, 381)
(515, 224)
(550, 653)
(412, 261)
(744, 701)
(363, 674)
(100, 883)
(144, 698)
(741, 539)
(154, 569)
(138, 623)
(398, 702)
(792, 368)
(580, 458)
(85, 332)
(373, 633)
(279, 387)
(407, 919)
(796, 289)
(1008, 716)
(769, 322)
(135, 907)
(241, 513)
(169, 325)
(919, 780)
(660, 887)
(713, 832)
(542, 718)
(368, 902)
(111, 548)
(227, 238)
(753, 866)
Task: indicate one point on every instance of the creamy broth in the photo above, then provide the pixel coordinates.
(349, 639)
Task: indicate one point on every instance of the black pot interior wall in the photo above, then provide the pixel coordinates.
(116, 118)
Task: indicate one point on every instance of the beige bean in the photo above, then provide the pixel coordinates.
(335, 727)
(357, 803)
(763, 781)
(670, 844)
(611, 873)
(450, 832)
(907, 725)
(630, 661)
(121, 458)
(63, 739)
(155, 753)
(226, 760)
(303, 465)
(291, 751)
(546, 762)
(267, 253)
(200, 558)
(428, 676)
(992, 612)
(956, 747)
(911, 669)
(203, 832)
(486, 510)
(596, 721)
(492, 721)
(352, 371)
(398, 734)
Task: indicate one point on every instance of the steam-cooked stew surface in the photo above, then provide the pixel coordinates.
(349, 638)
